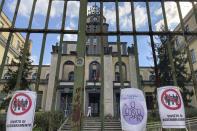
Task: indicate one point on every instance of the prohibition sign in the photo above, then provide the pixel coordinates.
(177, 102)
(25, 109)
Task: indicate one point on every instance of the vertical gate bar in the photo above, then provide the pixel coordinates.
(26, 46)
(152, 44)
(195, 10)
(135, 46)
(1, 6)
(168, 44)
(82, 89)
(59, 57)
(102, 67)
(9, 38)
(187, 49)
(79, 71)
(119, 45)
(43, 46)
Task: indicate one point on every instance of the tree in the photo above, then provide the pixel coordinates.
(12, 72)
(179, 60)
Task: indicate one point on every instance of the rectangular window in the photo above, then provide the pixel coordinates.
(93, 75)
(187, 28)
(193, 56)
(39, 100)
(196, 75)
(94, 40)
(18, 45)
(177, 42)
(88, 40)
(11, 39)
(88, 28)
(7, 60)
(1, 25)
(117, 76)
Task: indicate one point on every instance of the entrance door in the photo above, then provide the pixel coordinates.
(94, 101)
(149, 100)
(66, 103)
(117, 108)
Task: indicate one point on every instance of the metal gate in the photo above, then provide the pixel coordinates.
(78, 92)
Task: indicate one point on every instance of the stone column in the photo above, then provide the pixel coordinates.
(51, 82)
(108, 85)
(132, 71)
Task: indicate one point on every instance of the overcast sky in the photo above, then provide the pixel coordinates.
(109, 13)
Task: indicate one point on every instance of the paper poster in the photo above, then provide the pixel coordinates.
(21, 110)
(171, 107)
(133, 110)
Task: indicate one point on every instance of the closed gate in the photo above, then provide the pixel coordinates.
(83, 34)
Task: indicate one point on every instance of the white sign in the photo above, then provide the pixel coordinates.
(20, 115)
(133, 110)
(171, 107)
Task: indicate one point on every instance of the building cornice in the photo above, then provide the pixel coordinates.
(23, 40)
(12, 50)
(185, 19)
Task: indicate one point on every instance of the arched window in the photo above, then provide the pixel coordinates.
(124, 71)
(71, 76)
(152, 78)
(94, 71)
(117, 76)
(47, 76)
(6, 76)
(67, 68)
(69, 63)
(34, 76)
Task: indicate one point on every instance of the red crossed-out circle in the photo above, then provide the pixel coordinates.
(25, 110)
(165, 94)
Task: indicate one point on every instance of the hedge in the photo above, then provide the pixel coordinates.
(2, 121)
(41, 121)
(190, 112)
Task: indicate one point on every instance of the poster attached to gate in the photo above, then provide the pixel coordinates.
(21, 110)
(171, 107)
(133, 110)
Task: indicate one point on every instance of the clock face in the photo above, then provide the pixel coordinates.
(95, 19)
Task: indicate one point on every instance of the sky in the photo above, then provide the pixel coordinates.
(72, 16)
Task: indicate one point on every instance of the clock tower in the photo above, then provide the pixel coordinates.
(93, 25)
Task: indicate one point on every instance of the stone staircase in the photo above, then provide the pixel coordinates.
(94, 124)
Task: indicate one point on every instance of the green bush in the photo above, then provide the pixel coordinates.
(153, 116)
(2, 122)
(42, 120)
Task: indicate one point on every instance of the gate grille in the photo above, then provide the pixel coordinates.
(81, 32)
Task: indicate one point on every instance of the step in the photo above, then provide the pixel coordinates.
(94, 124)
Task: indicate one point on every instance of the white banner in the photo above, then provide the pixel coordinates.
(20, 115)
(171, 107)
(133, 110)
